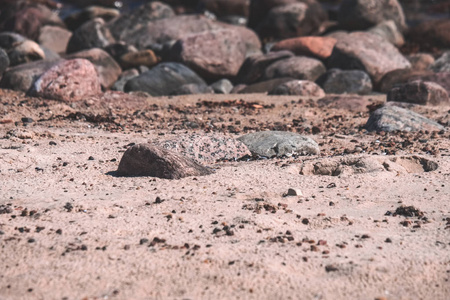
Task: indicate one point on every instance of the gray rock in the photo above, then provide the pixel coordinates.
(419, 92)
(363, 14)
(442, 64)
(279, 143)
(298, 88)
(206, 148)
(150, 160)
(92, 34)
(4, 61)
(389, 31)
(78, 18)
(297, 67)
(336, 81)
(367, 52)
(392, 118)
(119, 85)
(192, 89)
(164, 79)
(222, 86)
(22, 77)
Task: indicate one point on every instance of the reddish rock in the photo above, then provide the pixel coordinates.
(69, 81)
(298, 88)
(429, 34)
(107, 68)
(297, 67)
(419, 92)
(316, 46)
(367, 52)
(254, 66)
(54, 38)
(212, 54)
(150, 160)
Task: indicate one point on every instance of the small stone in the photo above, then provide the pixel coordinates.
(419, 92)
(305, 221)
(294, 192)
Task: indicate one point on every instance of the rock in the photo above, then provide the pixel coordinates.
(117, 50)
(442, 64)
(420, 61)
(351, 103)
(192, 89)
(119, 85)
(20, 50)
(419, 92)
(298, 88)
(77, 19)
(441, 78)
(363, 14)
(128, 24)
(399, 76)
(222, 86)
(92, 34)
(254, 66)
(222, 8)
(432, 34)
(141, 58)
(293, 192)
(336, 81)
(263, 86)
(54, 38)
(69, 81)
(4, 62)
(107, 68)
(297, 67)
(389, 31)
(212, 54)
(391, 118)
(150, 160)
(292, 20)
(22, 77)
(206, 148)
(367, 52)
(248, 36)
(163, 80)
(315, 46)
(279, 143)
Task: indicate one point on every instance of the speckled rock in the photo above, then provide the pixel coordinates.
(419, 92)
(298, 88)
(315, 46)
(297, 67)
(279, 143)
(92, 34)
(206, 148)
(392, 118)
(69, 81)
(336, 81)
(154, 161)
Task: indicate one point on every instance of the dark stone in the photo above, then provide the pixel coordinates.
(92, 34)
(419, 92)
(431, 34)
(78, 18)
(297, 67)
(279, 143)
(119, 85)
(164, 79)
(150, 160)
(4, 61)
(400, 76)
(222, 8)
(336, 81)
(392, 118)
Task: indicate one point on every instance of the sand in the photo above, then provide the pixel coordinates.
(71, 229)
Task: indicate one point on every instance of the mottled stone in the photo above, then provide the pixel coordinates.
(297, 67)
(442, 64)
(420, 61)
(298, 88)
(336, 81)
(419, 92)
(315, 46)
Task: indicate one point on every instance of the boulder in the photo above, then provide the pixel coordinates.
(222, 86)
(279, 143)
(212, 54)
(54, 38)
(419, 92)
(22, 77)
(206, 148)
(128, 24)
(432, 34)
(336, 81)
(107, 68)
(68, 81)
(442, 64)
(298, 88)
(315, 46)
(92, 34)
(392, 118)
(291, 20)
(254, 66)
(297, 67)
(367, 52)
(363, 14)
(164, 79)
(150, 160)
